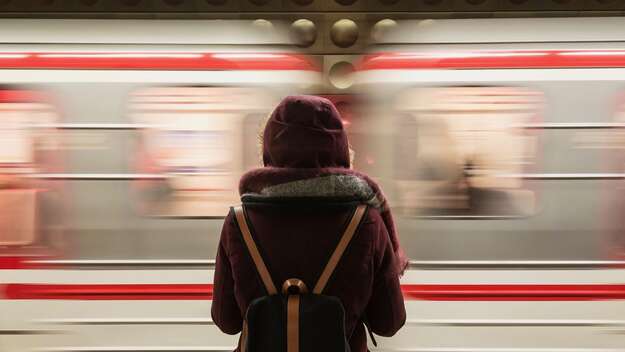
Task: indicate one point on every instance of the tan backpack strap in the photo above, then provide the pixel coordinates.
(243, 337)
(340, 248)
(292, 323)
(253, 249)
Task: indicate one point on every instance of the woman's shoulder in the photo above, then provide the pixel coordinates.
(372, 228)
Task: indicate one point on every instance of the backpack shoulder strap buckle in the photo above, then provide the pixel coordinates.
(294, 286)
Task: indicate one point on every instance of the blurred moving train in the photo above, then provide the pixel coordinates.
(514, 134)
(176, 115)
(498, 142)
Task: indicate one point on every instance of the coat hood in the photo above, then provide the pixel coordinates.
(305, 132)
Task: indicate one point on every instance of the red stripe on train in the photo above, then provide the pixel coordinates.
(525, 292)
(411, 292)
(22, 262)
(23, 96)
(494, 59)
(155, 61)
(109, 292)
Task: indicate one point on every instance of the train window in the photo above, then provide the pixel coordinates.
(194, 138)
(28, 145)
(460, 150)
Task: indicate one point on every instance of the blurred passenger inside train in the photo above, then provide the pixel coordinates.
(298, 206)
(460, 150)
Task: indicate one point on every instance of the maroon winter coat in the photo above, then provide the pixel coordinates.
(298, 205)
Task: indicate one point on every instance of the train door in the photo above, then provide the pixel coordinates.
(31, 213)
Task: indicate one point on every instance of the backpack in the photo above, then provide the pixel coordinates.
(294, 319)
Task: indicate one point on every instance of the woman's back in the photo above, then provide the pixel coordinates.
(297, 215)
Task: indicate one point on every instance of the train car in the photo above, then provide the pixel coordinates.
(500, 144)
(152, 127)
(122, 144)
(509, 247)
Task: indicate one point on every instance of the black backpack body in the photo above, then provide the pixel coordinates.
(321, 324)
(295, 319)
